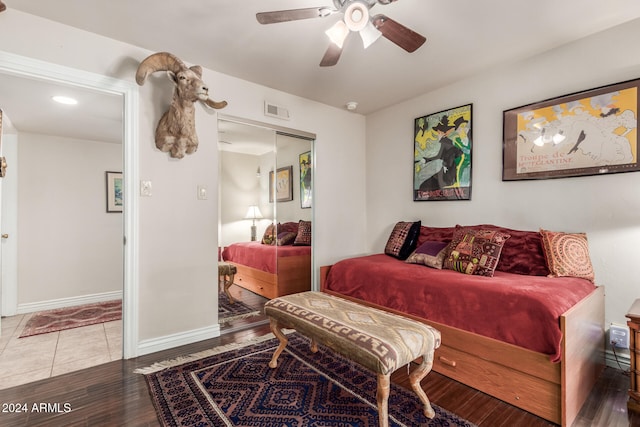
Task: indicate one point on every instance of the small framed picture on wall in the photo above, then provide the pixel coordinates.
(281, 185)
(114, 191)
(306, 179)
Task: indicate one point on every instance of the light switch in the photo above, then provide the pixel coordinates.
(202, 192)
(145, 188)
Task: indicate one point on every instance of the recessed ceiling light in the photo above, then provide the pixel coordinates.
(64, 100)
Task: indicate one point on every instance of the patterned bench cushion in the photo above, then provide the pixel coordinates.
(380, 341)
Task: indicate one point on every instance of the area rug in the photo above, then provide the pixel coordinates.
(44, 322)
(228, 312)
(234, 386)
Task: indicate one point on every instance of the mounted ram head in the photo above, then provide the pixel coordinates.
(176, 130)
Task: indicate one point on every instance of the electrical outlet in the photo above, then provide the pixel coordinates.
(619, 336)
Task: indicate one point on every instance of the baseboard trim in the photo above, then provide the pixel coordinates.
(623, 360)
(32, 307)
(175, 340)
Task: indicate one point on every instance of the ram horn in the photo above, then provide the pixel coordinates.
(161, 61)
(215, 104)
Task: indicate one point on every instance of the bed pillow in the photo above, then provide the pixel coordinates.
(303, 238)
(286, 238)
(269, 237)
(567, 254)
(288, 226)
(475, 252)
(403, 239)
(521, 254)
(429, 253)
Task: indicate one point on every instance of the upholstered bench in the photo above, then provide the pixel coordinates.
(379, 341)
(226, 274)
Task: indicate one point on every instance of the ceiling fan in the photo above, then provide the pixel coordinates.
(356, 18)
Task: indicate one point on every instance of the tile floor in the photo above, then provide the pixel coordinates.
(24, 360)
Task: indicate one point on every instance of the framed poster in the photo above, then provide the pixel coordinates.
(585, 133)
(306, 179)
(281, 184)
(442, 155)
(114, 191)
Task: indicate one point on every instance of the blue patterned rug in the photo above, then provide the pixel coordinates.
(228, 312)
(234, 386)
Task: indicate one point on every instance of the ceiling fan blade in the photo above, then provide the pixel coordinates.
(407, 39)
(331, 56)
(277, 16)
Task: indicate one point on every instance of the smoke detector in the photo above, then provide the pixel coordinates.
(352, 105)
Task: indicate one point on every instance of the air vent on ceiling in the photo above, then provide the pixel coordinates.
(273, 110)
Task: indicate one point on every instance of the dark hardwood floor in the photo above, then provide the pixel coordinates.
(112, 395)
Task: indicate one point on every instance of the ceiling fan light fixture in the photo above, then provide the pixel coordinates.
(338, 33)
(369, 35)
(356, 16)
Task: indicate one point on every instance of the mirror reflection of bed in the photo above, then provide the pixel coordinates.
(265, 216)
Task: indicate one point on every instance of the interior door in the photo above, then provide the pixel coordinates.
(8, 220)
(1, 270)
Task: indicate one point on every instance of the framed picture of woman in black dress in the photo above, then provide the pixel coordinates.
(442, 155)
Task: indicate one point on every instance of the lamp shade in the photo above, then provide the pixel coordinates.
(253, 213)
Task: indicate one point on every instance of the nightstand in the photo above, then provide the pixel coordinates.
(633, 404)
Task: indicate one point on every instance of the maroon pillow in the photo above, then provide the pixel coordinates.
(435, 234)
(290, 226)
(303, 238)
(286, 238)
(403, 239)
(522, 252)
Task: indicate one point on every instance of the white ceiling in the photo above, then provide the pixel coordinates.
(28, 105)
(464, 37)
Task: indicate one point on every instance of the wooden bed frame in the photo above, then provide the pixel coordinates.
(293, 275)
(521, 377)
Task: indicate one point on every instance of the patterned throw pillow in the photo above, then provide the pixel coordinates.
(403, 239)
(286, 238)
(269, 237)
(475, 252)
(567, 254)
(303, 238)
(429, 253)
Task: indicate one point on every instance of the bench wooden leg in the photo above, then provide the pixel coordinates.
(277, 331)
(227, 284)
(416, 376)
(382, 396)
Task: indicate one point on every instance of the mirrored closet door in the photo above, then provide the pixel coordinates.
(266, 211)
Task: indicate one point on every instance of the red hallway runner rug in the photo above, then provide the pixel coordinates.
(44, 322)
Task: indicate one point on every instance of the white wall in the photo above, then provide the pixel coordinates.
(289, 149)
(606, 207)
(68, 245)
(177, 283)
(239, 188)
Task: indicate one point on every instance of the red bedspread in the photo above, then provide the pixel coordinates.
(259, 256)
(514, 308)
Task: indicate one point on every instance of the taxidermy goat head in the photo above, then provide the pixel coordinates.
(176, 130)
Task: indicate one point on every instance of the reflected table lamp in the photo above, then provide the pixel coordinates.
(253, 213)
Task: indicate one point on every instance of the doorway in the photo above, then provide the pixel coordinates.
(67, 156)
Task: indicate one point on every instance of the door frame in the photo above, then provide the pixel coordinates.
(32, 68)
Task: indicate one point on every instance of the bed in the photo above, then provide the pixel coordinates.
(269, 270)
(532, 341)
